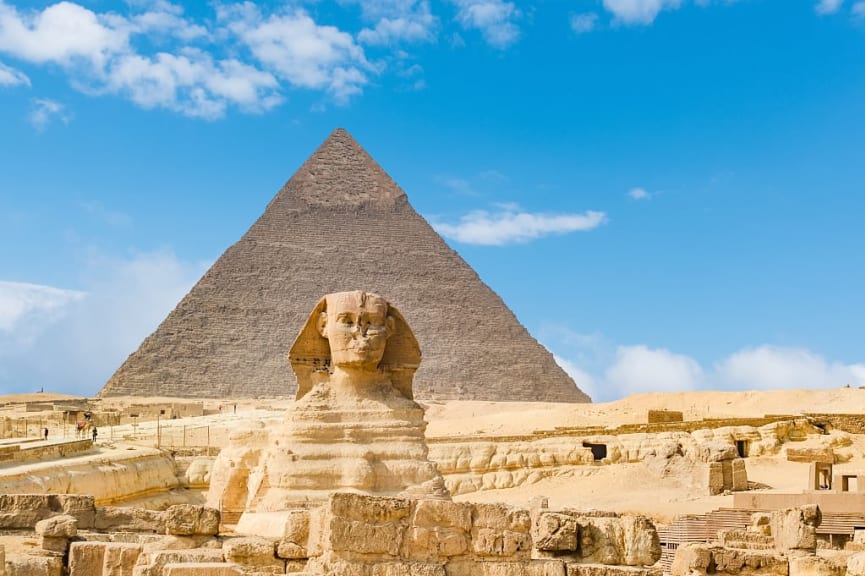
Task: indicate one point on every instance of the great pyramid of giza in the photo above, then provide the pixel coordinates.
(340, 223)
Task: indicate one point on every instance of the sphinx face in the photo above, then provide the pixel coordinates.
(356, 326)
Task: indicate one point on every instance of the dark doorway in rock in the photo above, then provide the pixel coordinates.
(599, 451)
(742, 448)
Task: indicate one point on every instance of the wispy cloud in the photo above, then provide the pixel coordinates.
(495, 19)
(639, 194)
(43, 111)
(398, 22)
(510, 225)
(585, 22)
(12, 77)
(112, 218)
(69, 342)
(828, 6)
(639, 11)
(858, 10)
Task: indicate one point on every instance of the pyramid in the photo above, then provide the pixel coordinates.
(340, 223)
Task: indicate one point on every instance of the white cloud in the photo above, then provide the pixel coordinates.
(644, 369)
(44, 110)
(582, 23)
(510, 225)
(22, 303)
(639, 11)
(12, 77)
(301, 51)
(74, 343)
(62, 33)
(400, 23)
(828, 6)
(193, 84)
(858, 10)
(775, 367)
(607, 372)
(639, 194)
(494, 18)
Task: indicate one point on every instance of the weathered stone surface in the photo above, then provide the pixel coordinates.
(488, 568)
(555, 532)
(62, 526)
(492, 542)
(808, 565)
(190, 520)
(694, 559)
(338, 210)
(22, 565)
(103, 558)
(2, 560)
(796, 528)
(823, 455)
(501, 516)
(153, 563)
(365, 538)
(290, 551)
(251, 551)
(442, 514)
(392, 568)
(202, 569)
(627, 540)
(54, 544)
(574, 569)
(430, 543)
(856, 565)
(23, 511)
(115, 519)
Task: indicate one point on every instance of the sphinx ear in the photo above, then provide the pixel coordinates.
(390, 323)
(321, 324)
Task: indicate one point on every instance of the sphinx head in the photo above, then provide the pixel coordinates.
(356, 332)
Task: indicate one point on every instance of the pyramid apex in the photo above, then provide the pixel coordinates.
(340, 173)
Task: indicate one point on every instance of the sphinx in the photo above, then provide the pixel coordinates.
(354, 425)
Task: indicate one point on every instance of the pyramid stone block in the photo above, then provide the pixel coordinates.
(339, 224)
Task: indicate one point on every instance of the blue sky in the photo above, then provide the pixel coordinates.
(668, 193)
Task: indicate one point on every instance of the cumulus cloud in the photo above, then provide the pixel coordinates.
(399, 22)
(12, 77)
(607, 372)
(582, 23)
(44, 110)
(495, 19)
(638, 194)
(638, 11)
(510, 225)
(301, 51)
(828, 6)
(70, 342)
(768, 367)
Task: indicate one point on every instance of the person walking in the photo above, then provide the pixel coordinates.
(94, 434)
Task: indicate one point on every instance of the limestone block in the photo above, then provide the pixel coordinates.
(856, 565)
(23, 511)
(103, 558)
(179, 543)
(23, 565)
(62, 526)
(442, 513)
(575, 569)
(807, 565)
(525, 568)
(252, 551)
(374, 509)
(191, 520)
(611, 539)
(202, 569)
(699, 559)
(152, 564)
(502, 517)
(761, 523)
(290, 551)
(431, 543)
(492, 542)
(198, 472)
(54, 544)
(364, 538)
(115, 519)
(740, 475)
(553, 532)
(796, 528)
(2, 560)
(823, 455)
(392, 568)
(717, 451)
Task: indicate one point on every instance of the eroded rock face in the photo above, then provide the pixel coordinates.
(796, 528)
(354, 425)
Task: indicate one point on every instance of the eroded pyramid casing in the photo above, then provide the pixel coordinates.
(340, 223)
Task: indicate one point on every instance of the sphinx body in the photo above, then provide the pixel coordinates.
(353, 427)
